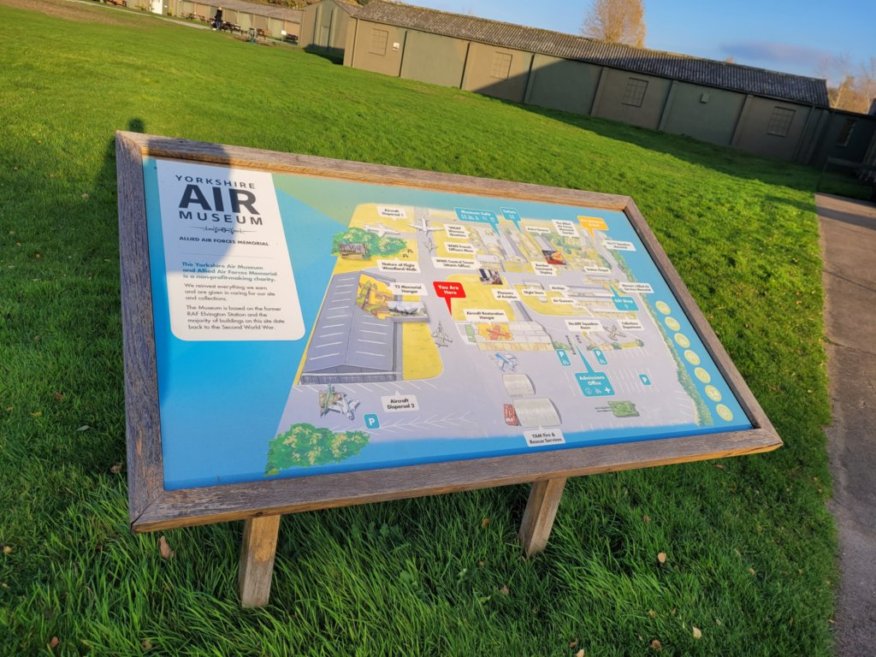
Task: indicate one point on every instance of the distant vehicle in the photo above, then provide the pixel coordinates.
(332, 401)
(380, 230)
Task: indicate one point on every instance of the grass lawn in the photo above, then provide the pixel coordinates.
(749, 544)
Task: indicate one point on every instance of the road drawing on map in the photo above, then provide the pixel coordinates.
(461, 323)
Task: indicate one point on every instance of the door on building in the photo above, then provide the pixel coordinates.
(324, 31)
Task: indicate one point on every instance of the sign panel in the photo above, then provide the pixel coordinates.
(368, 339)
(309, 325)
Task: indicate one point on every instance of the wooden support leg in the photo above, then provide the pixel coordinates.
(538, 519)
(257, 560)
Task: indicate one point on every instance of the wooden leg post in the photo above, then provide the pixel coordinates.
(538, 518)
(257, 560)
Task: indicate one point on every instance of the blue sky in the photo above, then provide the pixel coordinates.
(806, 37)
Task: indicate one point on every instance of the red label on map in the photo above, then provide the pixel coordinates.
(448, 290)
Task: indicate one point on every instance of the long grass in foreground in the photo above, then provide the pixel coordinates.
(749, 545)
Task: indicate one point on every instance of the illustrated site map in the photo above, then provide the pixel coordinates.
(446, 333)
(308, 325)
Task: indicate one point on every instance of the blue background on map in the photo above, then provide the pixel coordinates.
(221, 402)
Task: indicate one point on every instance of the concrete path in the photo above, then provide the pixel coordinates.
(848, 234)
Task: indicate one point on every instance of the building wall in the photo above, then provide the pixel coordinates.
(498, 72)
(702, 113)
(324, 28)
(870, 160)
(240, 18)
(292, 28)
(378, 48)
(631, 98)
(433, 58)
(562, 84)
(187, 8)
(245, 19)
(771, 128)
(846, 136)
(308, 18)
(277, 25)
(350, 43)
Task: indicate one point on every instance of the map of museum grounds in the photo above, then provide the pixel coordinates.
(307, 325)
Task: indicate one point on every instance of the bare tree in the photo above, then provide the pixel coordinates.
(616, 21)
(857, 86)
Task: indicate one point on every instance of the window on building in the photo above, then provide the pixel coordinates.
(845, 133)
(379, 39)
(780, 121)
(501, 68)
(634, 94)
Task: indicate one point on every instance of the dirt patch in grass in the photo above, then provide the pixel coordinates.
(72, 11)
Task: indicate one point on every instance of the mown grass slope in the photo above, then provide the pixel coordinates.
(749, 544)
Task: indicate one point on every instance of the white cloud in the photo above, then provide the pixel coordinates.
(783, 56)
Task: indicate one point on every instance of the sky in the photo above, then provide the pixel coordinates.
(805, 37)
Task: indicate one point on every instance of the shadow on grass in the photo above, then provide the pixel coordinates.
(334, 55)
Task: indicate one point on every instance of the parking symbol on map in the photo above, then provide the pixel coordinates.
(564, 357)
(371, 421)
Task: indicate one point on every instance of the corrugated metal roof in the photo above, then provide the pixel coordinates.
(724, 75)
(349, 6)
(346, 338)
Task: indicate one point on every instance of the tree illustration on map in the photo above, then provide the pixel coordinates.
(365, 243)
(304, 444)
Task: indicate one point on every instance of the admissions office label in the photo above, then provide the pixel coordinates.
(229, 273)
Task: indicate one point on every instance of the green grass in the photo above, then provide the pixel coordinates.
(750, 546)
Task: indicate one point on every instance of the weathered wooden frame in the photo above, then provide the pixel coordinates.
(260, 504)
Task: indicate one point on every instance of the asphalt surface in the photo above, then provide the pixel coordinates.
(848, 236)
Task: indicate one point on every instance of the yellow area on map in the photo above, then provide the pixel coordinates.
(518, 267)
(478, 295)
(420, 357)
(372, 296)
(663, 307)
(592, 224)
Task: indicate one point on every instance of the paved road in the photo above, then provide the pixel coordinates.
(848, 230)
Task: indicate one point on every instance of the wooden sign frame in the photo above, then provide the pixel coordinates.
(261, 504)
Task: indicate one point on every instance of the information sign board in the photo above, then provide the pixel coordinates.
(304, 333)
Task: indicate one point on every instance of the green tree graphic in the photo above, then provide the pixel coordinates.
(305, 445)
(376, 245)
